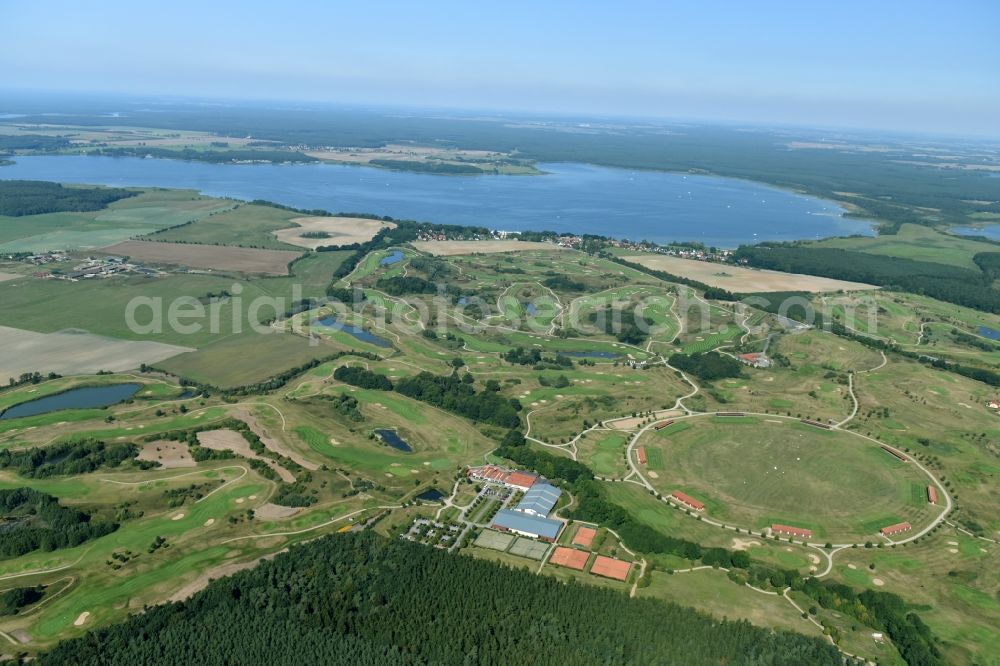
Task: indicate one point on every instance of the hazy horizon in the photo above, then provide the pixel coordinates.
(921, 68)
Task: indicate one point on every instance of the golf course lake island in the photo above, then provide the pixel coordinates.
(568, 197)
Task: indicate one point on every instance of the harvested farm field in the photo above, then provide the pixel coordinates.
(69, 353)
(337, 230)
(209, 257)
(743, 280)
(451, 248)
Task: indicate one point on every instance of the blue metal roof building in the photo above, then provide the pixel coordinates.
(509, 520)
(539, 500)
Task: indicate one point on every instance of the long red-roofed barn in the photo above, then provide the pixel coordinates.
(687, 499)
(896, 529)
(896, 454)
(788, 530)
(641, 454)
(932, 494)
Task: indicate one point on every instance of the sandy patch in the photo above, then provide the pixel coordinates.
(4, 277)
(851, 566)
(78, 622)
(168, 454)
(953, 551)
(240, 500)
(450, 248)
(952, 543)
(271, 443)
(743, 544)
(209, 522)
(743, 280)
(271, 511)
(207, 257)
(230, 440)
(341, 230)
(652, 475)
(814, 558)
(878, 582)
(74, 353)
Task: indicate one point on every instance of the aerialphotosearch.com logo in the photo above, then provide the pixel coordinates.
(630, 320)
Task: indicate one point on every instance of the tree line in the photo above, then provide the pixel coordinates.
(363, 599)
(36, 521)
(34, 197)
(952, 284)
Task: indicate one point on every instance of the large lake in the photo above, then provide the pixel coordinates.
(638, 205)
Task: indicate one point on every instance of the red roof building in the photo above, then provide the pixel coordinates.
(522, 480)
(893, 452)
(932, 494)
(687, 499)
(791, 531)
(641, 455)
(896, 529)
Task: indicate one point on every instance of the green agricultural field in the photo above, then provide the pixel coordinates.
(833, 483)
(146, 213)
(245, 224)
(918, 242)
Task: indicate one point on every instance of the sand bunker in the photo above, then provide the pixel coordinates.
(230, 440)
(80, 620)
(339, 231)
(168, 454)
(878, 582)
(271, 511)
(271, 443)
(209, 522)
(743, 544)
(179, 516)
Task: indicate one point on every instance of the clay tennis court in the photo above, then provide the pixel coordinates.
(584, 537)
(210, 257)
(450, 248)
(743, 280)
(569, 558)
(610, 568)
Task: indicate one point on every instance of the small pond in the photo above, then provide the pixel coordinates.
(431, 495)
(988, 332)
(588, 354)
(86, 397)
(392, 438)
(354, 331)
(395, 257)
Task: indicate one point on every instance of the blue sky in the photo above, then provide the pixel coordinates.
(932, 66)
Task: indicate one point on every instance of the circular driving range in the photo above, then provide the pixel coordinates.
(757, 471)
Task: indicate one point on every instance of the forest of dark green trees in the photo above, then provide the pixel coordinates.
(961, 286)
(33, 197)
(363, 599)
(33, 520)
